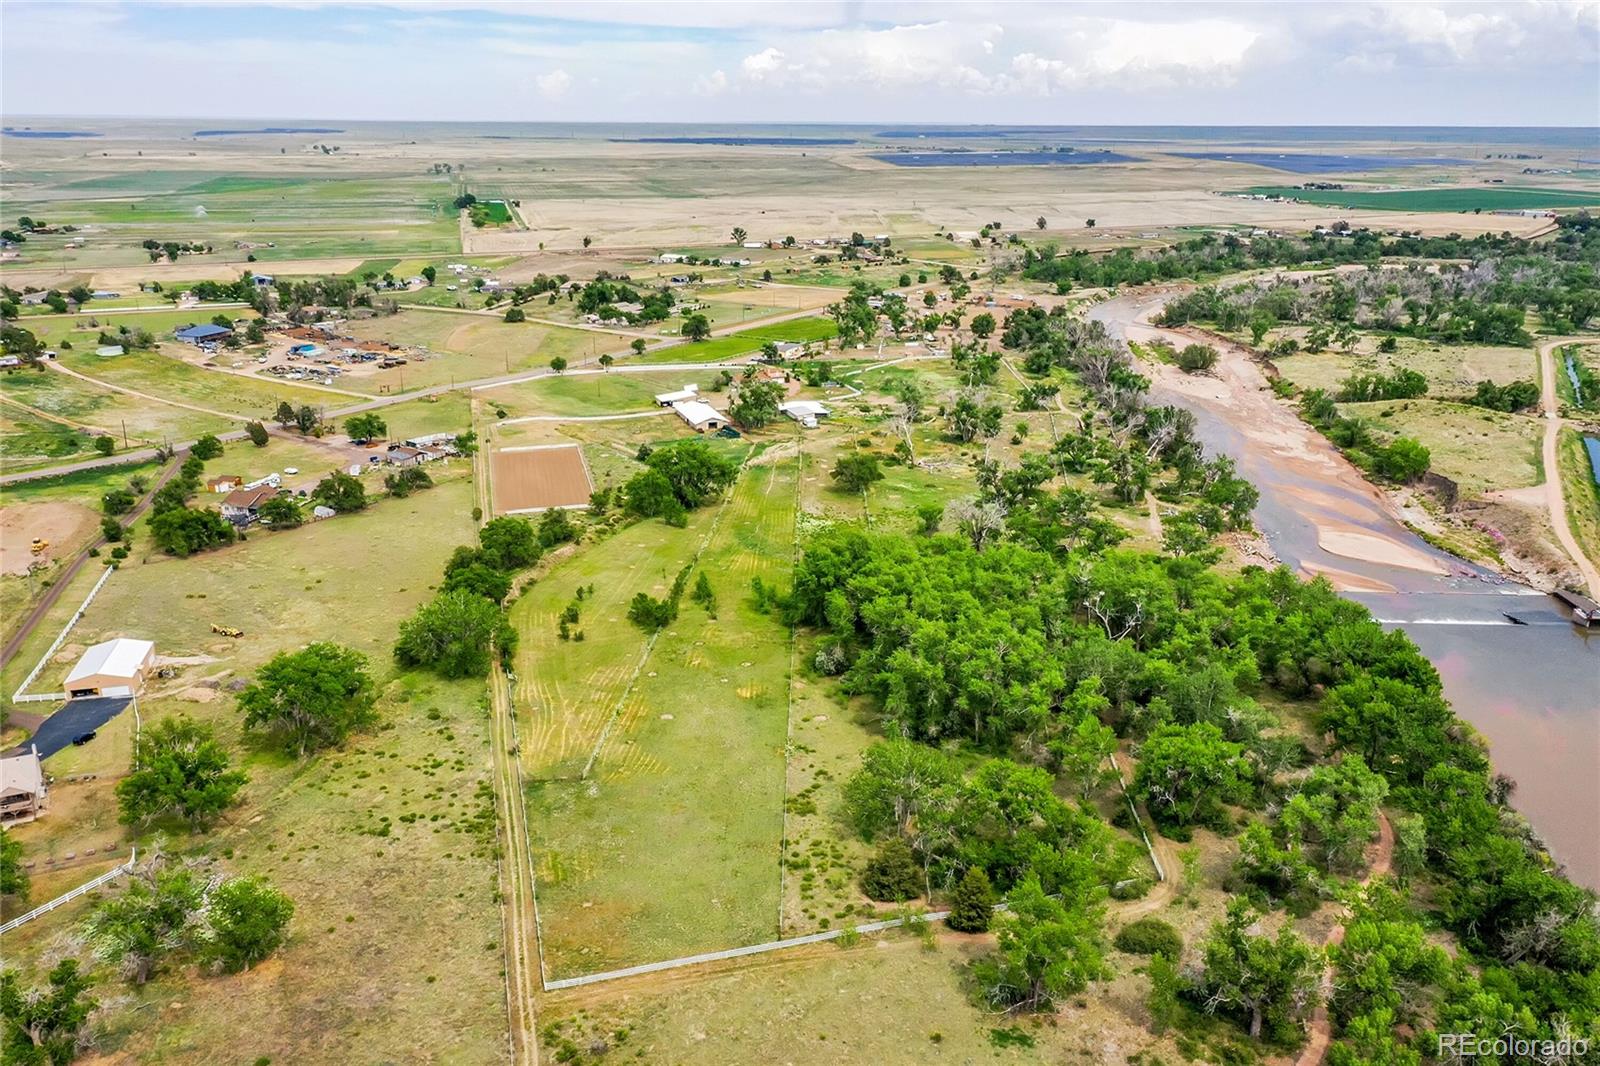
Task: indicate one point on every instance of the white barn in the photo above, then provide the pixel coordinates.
(115, 668)
(700, 416)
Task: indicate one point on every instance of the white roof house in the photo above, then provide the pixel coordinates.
(805, 412)
(114, 668)
(667, 399)
(700, 416)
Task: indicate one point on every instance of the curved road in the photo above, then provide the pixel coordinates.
(1554, 499)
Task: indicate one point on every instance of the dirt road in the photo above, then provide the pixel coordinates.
(1321, 1030)
(1554, 499)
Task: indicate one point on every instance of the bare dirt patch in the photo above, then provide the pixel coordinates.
(539, 477)
(61, 523)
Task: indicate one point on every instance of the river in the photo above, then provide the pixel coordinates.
(1532, 690)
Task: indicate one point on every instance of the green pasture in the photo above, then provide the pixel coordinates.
(1456, 198)
(718, 349)
(671, 845)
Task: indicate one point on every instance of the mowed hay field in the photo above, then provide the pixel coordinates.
(671, 845)
(587, 394)
(386, 845)
(799, 330)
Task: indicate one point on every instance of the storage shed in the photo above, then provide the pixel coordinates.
(115, 668)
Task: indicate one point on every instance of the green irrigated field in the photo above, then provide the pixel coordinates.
(671, 845)
(745, 341)
(596, 394)
(1461, 198)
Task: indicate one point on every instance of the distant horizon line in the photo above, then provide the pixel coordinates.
(7, 120)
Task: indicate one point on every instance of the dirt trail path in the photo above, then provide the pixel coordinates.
(49, 417)
(1321, 1030)
(1554, 499)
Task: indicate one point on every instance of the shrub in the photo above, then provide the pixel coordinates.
(1150, 936)
(891, 875)
(972, 905)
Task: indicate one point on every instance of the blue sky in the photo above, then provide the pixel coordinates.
(1293, 62)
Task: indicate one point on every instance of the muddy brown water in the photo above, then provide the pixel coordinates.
(1532, 689)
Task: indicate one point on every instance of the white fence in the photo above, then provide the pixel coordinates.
(87, 886)
(17, 696)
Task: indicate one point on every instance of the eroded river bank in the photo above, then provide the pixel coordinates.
(1532, 689)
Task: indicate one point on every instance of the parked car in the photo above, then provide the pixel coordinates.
(84, 738)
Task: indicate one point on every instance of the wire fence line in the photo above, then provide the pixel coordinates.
(734, 953)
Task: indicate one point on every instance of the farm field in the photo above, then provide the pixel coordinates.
(469, 347)
(1439, 199)
(166, 377)
(588, 394)
(690, 778)
(718, 349)
(105, 410)
(309, 825)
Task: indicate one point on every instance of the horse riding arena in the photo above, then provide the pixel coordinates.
(539, 477)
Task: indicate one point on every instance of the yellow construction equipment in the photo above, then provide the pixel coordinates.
(226, 631)
(39, 545)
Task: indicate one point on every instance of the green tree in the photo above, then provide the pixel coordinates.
(1186, 773)
(516, 314)
(558, 364)
(897, 781)
(182, 531)
(1082, 752)
(703, 594)
(13, 874)
(891, 874)
(257, 434)
(755, 404)
(1271, 982)
(509, 543)
(117, 501)
(41, 1027)
(857, 471)
(453, 635)
(282, 512)
(739, 234)
(929, 515)
(1048, 949)
(151, 919)
(369, 426)
(179, 769)
(207, 447)
(972, 903)
(1150, 936)
(248, 919)
(311, 698)
(982, 325)
(284, 415)
(342, 492)
(696, 327)
(637, 346)
(429, 273)
(105, 445)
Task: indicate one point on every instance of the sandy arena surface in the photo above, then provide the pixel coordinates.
(62, 524)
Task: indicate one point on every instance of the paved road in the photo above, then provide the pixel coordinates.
(1555, 501)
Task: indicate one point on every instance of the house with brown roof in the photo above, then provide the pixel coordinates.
(243, 506)
(24, 794)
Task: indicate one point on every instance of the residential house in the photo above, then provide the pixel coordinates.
(224, 482)
(24, 793)
(243, 506)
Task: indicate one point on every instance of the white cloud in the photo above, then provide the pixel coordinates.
(554, 85)
(1138, 56)
(713, 84)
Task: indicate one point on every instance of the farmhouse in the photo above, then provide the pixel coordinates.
(667, 399)
(115, 668)
(805, 412)
(210, 333)
(224, 483)
(701, 417)
(243, 506)
(23, 792)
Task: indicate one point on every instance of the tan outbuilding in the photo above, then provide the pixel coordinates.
(115, 668)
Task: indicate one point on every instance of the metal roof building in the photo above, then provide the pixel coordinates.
(115, 668)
